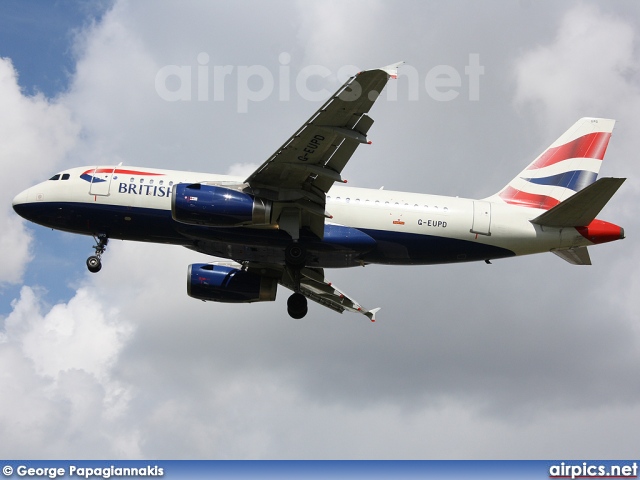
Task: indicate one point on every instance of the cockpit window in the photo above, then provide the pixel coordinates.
(55, 177)
(65, 176)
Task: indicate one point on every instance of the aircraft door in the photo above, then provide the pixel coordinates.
(481, 218)
(101, 181)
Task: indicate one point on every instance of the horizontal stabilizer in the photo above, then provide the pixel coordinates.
(580, 209)
(575, 255)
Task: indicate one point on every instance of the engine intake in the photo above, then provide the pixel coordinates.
(214, 206)
(221, 283)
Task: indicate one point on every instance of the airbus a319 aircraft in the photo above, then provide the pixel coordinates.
(286, 222)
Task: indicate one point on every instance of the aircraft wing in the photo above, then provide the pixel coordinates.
(305, 167)
(314, 286)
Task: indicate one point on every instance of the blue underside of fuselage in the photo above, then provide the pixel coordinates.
(341, 246)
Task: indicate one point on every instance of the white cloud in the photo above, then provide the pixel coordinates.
(15, 242)
(242, 169)
(77, 335)
(60, 393)
(36, 134)
(467, 361)
(327, 29)
(589, 69)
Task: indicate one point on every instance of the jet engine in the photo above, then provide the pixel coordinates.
(222, 283)
(214, 206)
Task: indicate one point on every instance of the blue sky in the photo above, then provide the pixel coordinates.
(524, 358)
(38, 36)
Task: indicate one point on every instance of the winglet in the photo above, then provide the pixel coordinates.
(392, 70)
(372, 314)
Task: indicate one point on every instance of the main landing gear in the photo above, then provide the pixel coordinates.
(297, 306)
(295, 257)
(94, 264)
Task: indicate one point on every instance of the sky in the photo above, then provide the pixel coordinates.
(524, 358)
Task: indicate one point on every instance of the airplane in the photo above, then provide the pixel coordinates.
(288, 221)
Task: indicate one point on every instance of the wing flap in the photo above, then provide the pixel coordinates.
(315, 287)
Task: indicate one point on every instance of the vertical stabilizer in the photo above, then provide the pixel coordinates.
(570, 164)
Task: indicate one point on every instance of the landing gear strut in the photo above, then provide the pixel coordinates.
(94, 264)
(295, 257)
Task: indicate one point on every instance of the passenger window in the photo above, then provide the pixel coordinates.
(55, 177)
(65, 176)
(142, 180)
(161, 182)
(151, 182)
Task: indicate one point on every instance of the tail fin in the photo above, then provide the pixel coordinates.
(570, 164)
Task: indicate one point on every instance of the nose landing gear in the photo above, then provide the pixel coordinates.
(94, 263)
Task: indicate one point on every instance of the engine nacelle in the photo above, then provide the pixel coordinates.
(221, 283)
(214, 206)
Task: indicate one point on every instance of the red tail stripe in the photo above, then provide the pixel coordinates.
(592, 145)
(518, 197)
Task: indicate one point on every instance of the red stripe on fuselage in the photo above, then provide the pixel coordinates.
(593, 145)
(121, 172)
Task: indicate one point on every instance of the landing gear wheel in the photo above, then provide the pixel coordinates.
(94, 264)
(295, 255)
(297, 306)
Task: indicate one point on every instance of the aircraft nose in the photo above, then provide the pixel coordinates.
(19, 201)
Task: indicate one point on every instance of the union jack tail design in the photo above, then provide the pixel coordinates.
(570, 164)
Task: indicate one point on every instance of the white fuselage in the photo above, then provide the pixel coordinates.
(401, 214)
